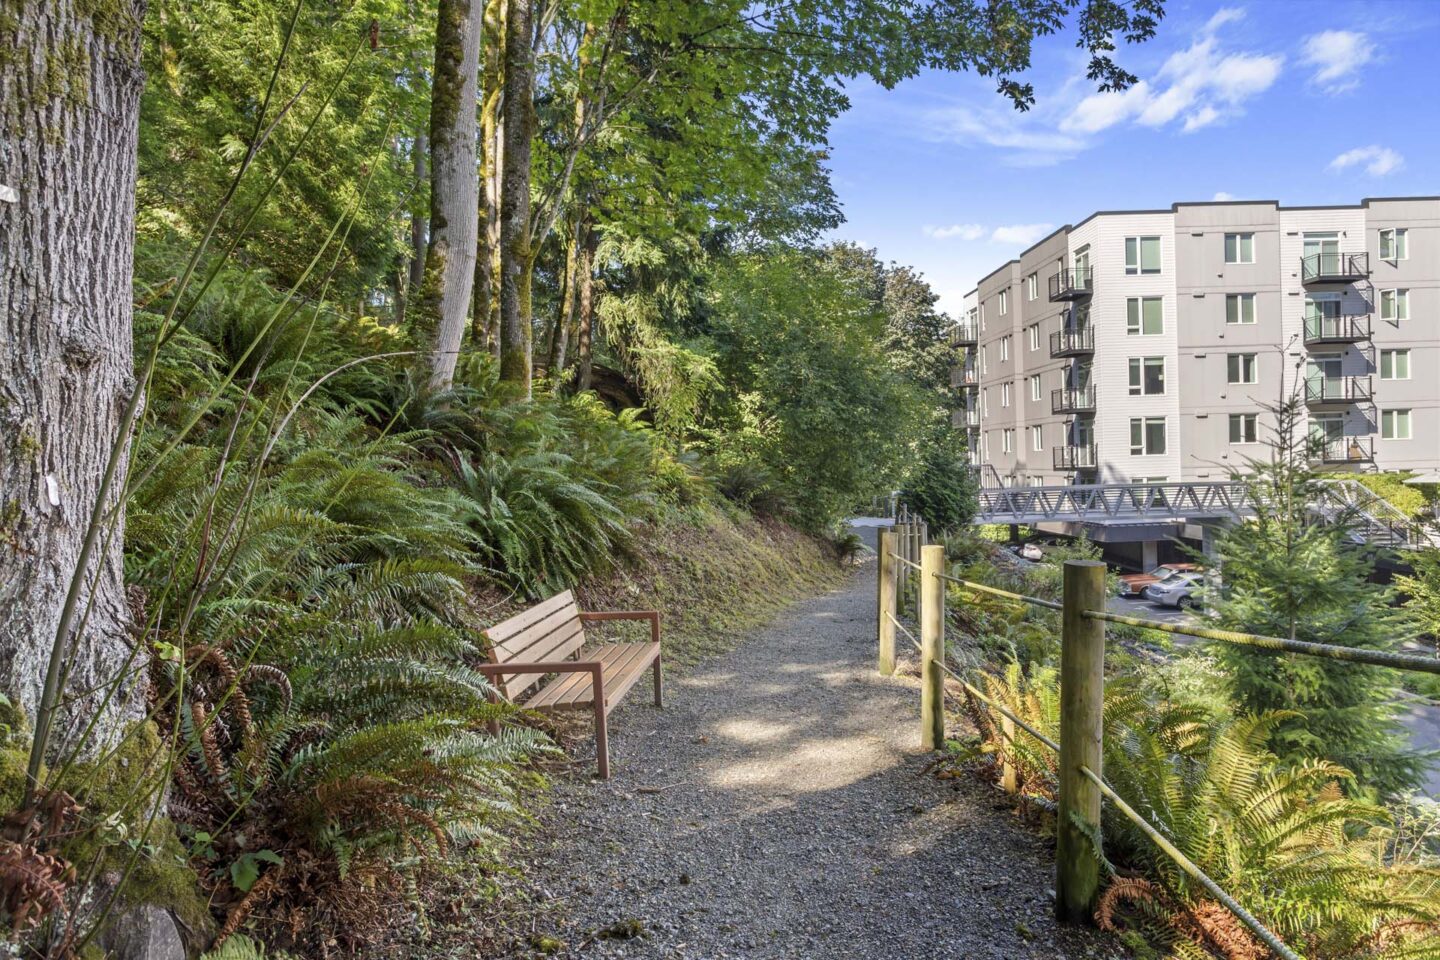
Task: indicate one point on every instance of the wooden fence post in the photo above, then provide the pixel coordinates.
(1082, 700)
(885, 604)
(932, 648)
(901, 545)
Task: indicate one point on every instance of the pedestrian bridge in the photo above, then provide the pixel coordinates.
(1373, 519)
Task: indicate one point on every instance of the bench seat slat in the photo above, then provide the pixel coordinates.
(623, 664)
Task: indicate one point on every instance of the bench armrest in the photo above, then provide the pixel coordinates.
(652, 615)
(592, 667)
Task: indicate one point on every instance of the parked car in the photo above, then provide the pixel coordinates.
(1028, 551)
(1176, 590)
(1133, 585)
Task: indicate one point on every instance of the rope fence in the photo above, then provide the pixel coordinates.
(1083, 619)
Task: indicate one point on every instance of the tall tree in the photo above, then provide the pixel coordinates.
(70, 83)
(454, 192)
(519, 111)
(1286, 575)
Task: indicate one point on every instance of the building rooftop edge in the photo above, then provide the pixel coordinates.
(1175, 208)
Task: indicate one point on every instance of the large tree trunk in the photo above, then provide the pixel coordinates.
(586, 324)
(450, 261)
(69, 109)
(515, 259)
(487, 266)
(565, 319)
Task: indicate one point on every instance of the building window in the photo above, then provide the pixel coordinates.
(1144, 316)
(982, 318)
(1034, 331)
(1035, 387)
(1239, 308)
(1240, 368)
(1394, 364)
(1142, 255)
(1005, 348)
(1032, 286)
(1004, 301)
(985, 446)
(1394, 244)
(1147, 376)
(1147, 436)
(985, 402)
(1239, 248)
(1037, 481)
(1007, 440)
(984, 359)
(1244, 428)
(1004, 395)
(1395, 424)
(1037, 438)
(1394, 304)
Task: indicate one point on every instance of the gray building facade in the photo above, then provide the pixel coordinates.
(1149, 345)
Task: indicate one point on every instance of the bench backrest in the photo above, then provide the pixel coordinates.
(550, 630)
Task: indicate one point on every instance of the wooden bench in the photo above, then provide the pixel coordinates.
(542, 641)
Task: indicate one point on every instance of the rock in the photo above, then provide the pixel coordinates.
(143, 933)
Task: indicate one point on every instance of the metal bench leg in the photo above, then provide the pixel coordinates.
(659, 685)
(602, 739)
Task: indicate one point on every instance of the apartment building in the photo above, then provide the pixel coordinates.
(1148, 345)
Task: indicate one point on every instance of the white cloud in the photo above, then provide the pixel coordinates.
(1377, 160)
(1199, 85)
(1003, 127)
(965, 231)
(1337, 56)
(1022, 234)
(1221, 196)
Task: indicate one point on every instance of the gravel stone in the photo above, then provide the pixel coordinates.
(793, 819)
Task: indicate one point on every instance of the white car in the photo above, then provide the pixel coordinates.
(1176, 590)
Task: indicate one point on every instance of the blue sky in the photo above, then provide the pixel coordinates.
(1301, 101)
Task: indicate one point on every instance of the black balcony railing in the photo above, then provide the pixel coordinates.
(963, 334)
(1337, 390)
(1072, 342)
(966, 417)
(1072, 457)
(1349, 328)
(965, 375)
(1072, 400)
(1346, 450)
(1072, 284)
(1334, 267)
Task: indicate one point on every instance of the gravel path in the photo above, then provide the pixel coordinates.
(793, 819)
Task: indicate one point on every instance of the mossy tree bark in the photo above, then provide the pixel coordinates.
(487, 262)
(585, 324)
(454, 192)
(70, 83)
(515, 259)
(565, 319)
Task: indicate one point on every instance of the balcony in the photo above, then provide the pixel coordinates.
(1354, 328)
(965, 375)
(1345, 450)
(1072, 342)
(963, 334)
(1319, 390)
(1334, 267)
(1076, 284)
(1074, 457)
(1073, 400)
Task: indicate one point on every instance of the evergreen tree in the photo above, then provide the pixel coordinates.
(1288, 574)
(942, 485)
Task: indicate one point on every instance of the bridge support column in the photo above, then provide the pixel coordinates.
(1149, 555)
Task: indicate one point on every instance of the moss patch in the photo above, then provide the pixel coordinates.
(161, 875)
